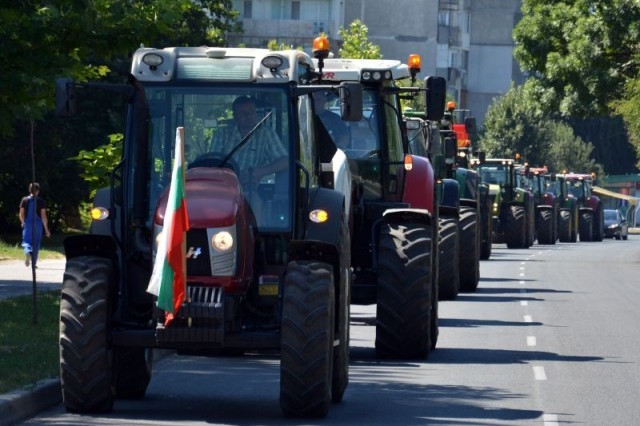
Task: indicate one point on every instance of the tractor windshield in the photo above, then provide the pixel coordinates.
(246, 131)
(493, 174)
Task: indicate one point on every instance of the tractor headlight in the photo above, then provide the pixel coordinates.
(222, 241)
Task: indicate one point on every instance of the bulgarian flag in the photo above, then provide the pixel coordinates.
(169, 276)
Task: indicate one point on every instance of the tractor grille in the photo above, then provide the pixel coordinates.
(200, 319)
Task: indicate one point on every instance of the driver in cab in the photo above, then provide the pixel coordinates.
(263, 153)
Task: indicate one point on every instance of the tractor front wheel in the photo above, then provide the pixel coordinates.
(86, 370)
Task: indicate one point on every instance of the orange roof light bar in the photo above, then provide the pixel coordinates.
(451, 106)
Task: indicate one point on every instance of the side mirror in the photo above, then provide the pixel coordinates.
(450, 148)
(350, 100)
(435, 97)
(66, 103)
(482, 156)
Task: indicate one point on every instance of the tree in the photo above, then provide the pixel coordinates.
(355, 42)
(580, 52)
(629, 109)
(45, 40)
(568, 151)
(513, 125)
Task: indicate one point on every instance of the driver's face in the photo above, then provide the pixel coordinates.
(246, 117)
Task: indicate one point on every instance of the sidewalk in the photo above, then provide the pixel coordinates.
(17, 279)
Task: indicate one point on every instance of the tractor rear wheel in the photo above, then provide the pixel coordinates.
(404, 291)
(469, 250)
(86, 370)
(585, 226)
(564, 226)
(545, 226)
(307, 339)
(448, 258)
(516, 231)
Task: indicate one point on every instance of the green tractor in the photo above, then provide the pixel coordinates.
(513, 207)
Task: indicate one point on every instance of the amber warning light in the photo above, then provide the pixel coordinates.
(321, 47)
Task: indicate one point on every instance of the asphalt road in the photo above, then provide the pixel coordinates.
(549, 338)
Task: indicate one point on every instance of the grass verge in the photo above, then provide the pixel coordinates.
(28, 351)
(50, 248)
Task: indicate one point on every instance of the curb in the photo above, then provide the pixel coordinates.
(22, 404)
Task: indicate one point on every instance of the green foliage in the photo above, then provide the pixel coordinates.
(629, 109)
(515, 125)
(568, 151)
(99, 162)
(86, 41)
(275, 46)
(581, 52)
(356, 44)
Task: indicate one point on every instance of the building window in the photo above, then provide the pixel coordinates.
(248, 6)
(295, 10)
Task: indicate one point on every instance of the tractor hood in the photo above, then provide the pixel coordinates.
(213, 198)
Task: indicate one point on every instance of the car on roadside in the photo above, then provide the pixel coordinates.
(615, 225)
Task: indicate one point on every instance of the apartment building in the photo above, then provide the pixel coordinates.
(469, 42)
(291, 22)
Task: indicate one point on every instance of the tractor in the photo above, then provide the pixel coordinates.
(267, 253)
(590, 210)
(513, 209)
(545, 201)
(395, 213)
(460, 195)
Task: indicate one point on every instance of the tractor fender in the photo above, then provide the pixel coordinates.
(450, 193)
(333, 203)
(103, 227)
(408, 215)
(90, 245)
(419, 185)
(543, 207)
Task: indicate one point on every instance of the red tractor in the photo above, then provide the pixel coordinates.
(268, 250)
(395, 212)
(546, 202)
(590, 210)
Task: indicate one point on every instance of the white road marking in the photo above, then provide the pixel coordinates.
(523, 303)
(550, 419)
(522, 274)
(528, 318)
(531, 340)
(538, 372)
(521, 282)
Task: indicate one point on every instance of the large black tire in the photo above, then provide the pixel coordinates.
(469, 250)
(340, 375)
(564, 226)
(448, 258)
(585, 226)
(132, 371)
(575, 220)
(404, 291)
(516, 228)
(306, 361)
(598, 224)
(544, 222)
(86, 371)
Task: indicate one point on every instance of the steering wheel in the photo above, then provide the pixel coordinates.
(213, 159)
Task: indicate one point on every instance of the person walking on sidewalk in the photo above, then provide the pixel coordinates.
(33, 219)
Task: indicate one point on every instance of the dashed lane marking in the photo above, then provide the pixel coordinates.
(538, 373)
(531, 340)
